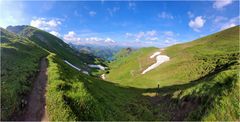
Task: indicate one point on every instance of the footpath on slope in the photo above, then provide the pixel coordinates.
(36, 110)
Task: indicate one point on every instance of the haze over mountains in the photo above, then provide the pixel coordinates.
(120, 61)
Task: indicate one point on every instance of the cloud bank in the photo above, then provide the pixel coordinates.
(72, 37)
(45, 24)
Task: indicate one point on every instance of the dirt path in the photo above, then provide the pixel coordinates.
(37, 101)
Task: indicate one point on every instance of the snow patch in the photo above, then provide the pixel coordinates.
(72, 65)
(160, 59)
(103, 76)
(85, 72)
(97, 66)
(155, 54)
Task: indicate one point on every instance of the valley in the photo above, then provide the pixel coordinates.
(197, 80)
(113, 60)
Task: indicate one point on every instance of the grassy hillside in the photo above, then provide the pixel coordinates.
(20, 56)
(200, 82)
(123, 53)
(19, 64)
(75, 96)
(188, 61)
(55, 45)
(125, 68)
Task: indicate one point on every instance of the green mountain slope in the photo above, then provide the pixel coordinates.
(55, 45)
(21, 54)
(75, 96)
(188, 61)
(123, 53)
(19, 63)
(212, 96)
(200, 80)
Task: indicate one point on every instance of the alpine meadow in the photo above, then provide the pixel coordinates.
(120, 60)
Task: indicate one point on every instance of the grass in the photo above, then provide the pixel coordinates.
(201, 75)
(188, 61)
(200, 82)
(19, 64)
(74, 96)
(57, 46)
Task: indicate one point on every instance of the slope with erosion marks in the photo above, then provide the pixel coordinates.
(19, 63)
(56, 45)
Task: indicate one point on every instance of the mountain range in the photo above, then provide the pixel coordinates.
(199, 81)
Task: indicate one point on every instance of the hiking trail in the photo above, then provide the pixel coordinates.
(36, 108)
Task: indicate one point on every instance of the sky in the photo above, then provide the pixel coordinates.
(123, 23)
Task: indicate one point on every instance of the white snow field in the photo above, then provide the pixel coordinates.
(159, 60)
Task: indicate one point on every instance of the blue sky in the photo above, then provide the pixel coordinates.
(126, 23)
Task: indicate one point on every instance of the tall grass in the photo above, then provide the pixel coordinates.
(72, 95)
(19, 65)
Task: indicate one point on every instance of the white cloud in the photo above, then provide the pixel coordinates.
(197, 23)
(168, 33)
(45, 24)
(109, 40)
(147, 35)
(170, 41)
(132, 5)
(190, 14)
(165, 15)
(231, 23)
(228, 25)
(92, 13)
(219, 19)
(129, 35)
(72, 37)
(152, 38)
(151, 33)
(219, 4)
(55, 33)
(113, 10)
(140, 35)
(93, 39)
(167, 41)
